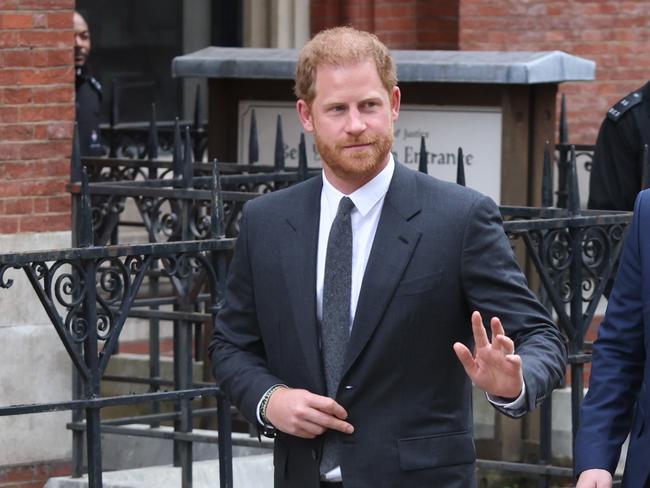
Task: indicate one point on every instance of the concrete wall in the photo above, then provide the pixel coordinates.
(35, 367)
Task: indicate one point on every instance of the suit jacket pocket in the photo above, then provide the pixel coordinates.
(436, 451)
(420, 284)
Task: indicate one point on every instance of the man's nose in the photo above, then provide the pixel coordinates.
(355, 122)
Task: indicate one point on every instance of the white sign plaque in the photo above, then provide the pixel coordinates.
(476, 129)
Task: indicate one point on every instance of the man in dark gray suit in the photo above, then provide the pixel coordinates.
(351, 296)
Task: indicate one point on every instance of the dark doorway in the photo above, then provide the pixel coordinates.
(133, 44)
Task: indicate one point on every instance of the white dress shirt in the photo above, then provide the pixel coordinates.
(368, 203)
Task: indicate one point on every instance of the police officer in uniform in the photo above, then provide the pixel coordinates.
(88, 92)
(617, 171)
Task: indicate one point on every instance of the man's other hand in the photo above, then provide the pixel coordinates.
(304, 414)
(595, 478)
(494, 367)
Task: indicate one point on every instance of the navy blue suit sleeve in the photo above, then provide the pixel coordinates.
(495, 286)
(236, 349)
(617, 363)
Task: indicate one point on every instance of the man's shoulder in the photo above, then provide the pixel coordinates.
(643, 201)
(96, 85)
(634, 99)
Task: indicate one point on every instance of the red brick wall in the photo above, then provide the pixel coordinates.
(401, 24)
(614, 33)
(33, 475)
(36, 114)
(437, 24)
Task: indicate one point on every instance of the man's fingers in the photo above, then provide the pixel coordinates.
(333, 423)
(328, 405)
(330, 414)
(314, 422)
(308, 429)
(503, 343)
(480, 334)
(465, 357)
(497, 327)
(514, 359)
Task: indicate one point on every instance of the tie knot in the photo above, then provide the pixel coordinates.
(345, 206)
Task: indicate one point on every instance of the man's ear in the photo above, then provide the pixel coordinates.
(395, 100)
(304, 112)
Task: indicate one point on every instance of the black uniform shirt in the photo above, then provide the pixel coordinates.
(88, 112)
(617, 170)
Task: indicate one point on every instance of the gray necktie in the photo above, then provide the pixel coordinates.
(337, 288)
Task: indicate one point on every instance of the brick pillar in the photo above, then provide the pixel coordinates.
(36, 121)
(36, 114)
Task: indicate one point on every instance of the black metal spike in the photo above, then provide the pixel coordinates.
(547, 178)
(423, 167)
(86, 234)
(177, 155)
(460, 168)
(217, 229)
(645, 159)
(152, 136)
(187, 160)
(75, 158)
(574, 190)
(253, 144)
(302, 158)
(564, 124)
(279, 146)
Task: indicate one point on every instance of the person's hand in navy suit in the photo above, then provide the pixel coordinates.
(595, 478)
(494, 367)
(304, 414)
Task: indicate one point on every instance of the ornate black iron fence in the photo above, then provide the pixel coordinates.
(132, 139)
(88, 293)
(161, 189)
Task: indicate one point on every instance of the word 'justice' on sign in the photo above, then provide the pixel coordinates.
(477, 130)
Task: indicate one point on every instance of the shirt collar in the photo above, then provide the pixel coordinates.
(368, 195)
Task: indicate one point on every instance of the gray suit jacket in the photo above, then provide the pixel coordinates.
(439, 252)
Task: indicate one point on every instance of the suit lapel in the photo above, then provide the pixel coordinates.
(299, 264)
(392, 248)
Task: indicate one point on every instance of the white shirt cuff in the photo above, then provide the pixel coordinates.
(517, 403)
(258, 412)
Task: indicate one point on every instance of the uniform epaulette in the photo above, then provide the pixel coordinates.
(96, 85)
(625, 104)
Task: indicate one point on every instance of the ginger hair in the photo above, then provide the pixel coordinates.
(341, 46)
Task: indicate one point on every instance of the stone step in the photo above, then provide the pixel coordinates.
(254, 471)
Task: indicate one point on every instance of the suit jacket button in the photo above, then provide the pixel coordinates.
(314, 455)
(349, 387)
